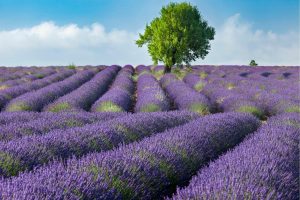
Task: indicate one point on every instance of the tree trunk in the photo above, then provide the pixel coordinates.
(167, 69)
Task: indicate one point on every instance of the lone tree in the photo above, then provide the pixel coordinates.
(178, 35)
(253, 63)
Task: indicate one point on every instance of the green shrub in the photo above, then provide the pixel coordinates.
(71, 66)
(60, 107)
(18, 106)
(203, 75)
(9, 165)
(295, 109)
(252, 110)
(109, 106)
(199, 108)
(150, 108)
(199, 86)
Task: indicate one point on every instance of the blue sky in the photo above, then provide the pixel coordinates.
(266, 19)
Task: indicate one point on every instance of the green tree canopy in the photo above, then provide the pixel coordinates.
(253, 63)
(178, 35)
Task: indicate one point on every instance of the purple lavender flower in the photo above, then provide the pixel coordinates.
(142, 69)
(13, 92)
(265, 166)
(145, 170)
(83, 97)
(118, 97)
(47, 122)
(36, 100)
(195, 81)
(150, 96)
(184, 97)
(31, 151)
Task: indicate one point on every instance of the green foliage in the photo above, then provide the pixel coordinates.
(135, 77)
(180, 73)
(253, 63)
(3, 87)
(199, 108)
(39, 75)
(71, 66)
(252, 110)
(203, 75)
(230, 86)
(178, 35)
(18, 106)
(295, 109)
(109, 107)
(9, 165)
(292, 123)
(158, 74)
(150, 108)
(60, 107)
(199, 86)
(72, 123)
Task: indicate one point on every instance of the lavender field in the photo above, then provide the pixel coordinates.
(136, 132)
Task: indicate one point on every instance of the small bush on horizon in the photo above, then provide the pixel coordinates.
(71, 66)
(253, 63)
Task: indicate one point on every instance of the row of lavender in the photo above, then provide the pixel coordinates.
(10, 93)
(265, 166)
(213, 89)
(262, 91)
(34, 123)
(154, 167)
(118, 98)
(28, 150)
(148, 169)
(36, 100)
(9, 74)
(84, 96)
(27, 76)
(43, 97)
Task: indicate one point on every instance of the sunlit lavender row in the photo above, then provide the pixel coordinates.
(136, 132)
(261, 91)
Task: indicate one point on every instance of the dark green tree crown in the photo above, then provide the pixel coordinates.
(253, 63)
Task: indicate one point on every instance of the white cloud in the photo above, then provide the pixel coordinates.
(235, 42)
(238, 42)
(50, 44)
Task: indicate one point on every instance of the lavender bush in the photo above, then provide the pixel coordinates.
(184, 97)
(13, 92)
(36, 100)
(47, 122)
(145, 170)
(150, 96)
(83, 97)
(31, 151)
(265, 166)
(119, 97)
